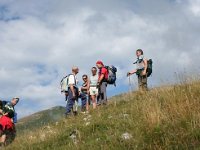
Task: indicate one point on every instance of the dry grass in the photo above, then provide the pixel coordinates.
(163, 118)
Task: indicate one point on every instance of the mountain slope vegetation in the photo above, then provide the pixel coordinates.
(162, 118)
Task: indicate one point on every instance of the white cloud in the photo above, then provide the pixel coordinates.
(195, 7)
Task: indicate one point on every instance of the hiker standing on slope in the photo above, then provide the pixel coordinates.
(85, 94)
(7, 120)
(141, 70)
(102, 82)
(93, 86)
(72, 91)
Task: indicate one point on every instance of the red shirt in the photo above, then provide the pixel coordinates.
(103, 71)
(6, 123)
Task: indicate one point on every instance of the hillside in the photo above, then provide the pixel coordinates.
(163, 118)
(40, 119)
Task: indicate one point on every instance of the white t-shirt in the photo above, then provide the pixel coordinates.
(72, 80)
(94, 80)
(140, 63)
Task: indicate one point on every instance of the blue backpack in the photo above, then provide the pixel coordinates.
(112, 77)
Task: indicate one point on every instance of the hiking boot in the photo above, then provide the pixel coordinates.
(67, 115)
(83, 112)
(2, 145)
(98, 104)
(75, 113)
(87, 112)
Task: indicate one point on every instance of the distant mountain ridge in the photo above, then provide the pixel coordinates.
(41, 118)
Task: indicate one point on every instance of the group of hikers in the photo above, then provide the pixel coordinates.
(93, 89)
(8, 118)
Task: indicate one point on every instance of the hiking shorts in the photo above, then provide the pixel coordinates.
(94, 91)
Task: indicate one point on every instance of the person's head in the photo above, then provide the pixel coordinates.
(85, 78)
(94, 71)
(139, 52)
(99, 64)
(14, 101)
(75, 70)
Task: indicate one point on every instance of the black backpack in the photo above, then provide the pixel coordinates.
(112, 77)
(2, 104)
(149, 67)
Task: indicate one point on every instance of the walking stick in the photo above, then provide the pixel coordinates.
(129, 83)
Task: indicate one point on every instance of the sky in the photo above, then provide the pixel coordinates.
(41, 40)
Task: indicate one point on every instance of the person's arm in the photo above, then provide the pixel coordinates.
(83, 88)
(101, 78)
(5, 114)
(71, 84)
(72, 89)
(102, 75)
(87, 86)
(145, 67)
(131, 72)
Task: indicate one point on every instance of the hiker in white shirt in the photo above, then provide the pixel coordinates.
(93, 86)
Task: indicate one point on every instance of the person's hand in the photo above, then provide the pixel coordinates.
(66, 93)
(98, 84)
(128, 74)
(5, 114)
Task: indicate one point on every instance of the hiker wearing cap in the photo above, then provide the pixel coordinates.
(72, 92)
(84, 93)
(141, 70)
(102, 82)
(7, 120)
(93, 86)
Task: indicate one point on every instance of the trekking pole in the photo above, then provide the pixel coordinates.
(129, 83)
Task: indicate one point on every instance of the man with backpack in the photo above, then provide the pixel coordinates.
(141, 70)
(72, 91)
(102, 82)
(7, 120)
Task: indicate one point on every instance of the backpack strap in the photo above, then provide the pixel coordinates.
(63, 79)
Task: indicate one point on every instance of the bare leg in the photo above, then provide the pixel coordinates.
(94, 101)
(87, 106)
(3, 138)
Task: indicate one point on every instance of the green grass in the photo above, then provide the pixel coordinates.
(163, 118)
(40, 119)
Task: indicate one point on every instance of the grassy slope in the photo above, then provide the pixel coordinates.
(164, 118)
(40, 119)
